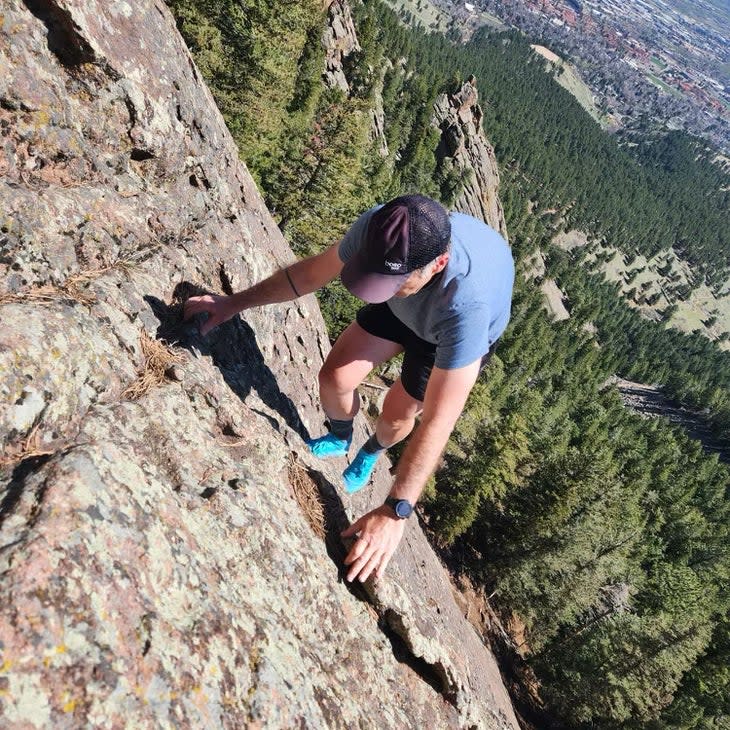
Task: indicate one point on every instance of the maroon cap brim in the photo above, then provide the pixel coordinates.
(371, 288)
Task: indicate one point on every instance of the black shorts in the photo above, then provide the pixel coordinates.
(418, 356)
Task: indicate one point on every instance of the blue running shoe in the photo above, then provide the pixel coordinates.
(328, 445)
(357, 474)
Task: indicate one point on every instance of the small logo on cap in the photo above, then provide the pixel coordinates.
(394, 265)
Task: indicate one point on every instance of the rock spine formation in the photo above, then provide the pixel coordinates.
(340, 41)
(459, 117)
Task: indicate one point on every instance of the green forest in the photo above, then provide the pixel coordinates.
(604, 534)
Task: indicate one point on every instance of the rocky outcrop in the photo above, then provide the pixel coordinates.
(459, 117)
(169, 553)
(377, 127)
(339, 40)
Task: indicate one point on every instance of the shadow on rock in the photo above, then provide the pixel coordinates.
(389, 621)
(233, 348)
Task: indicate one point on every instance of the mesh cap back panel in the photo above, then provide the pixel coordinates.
(430, 230)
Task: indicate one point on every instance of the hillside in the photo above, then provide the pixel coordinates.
(569, 79)
(662, 287)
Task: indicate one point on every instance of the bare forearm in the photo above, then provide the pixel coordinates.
(379, 530)
(420, 459)
(276, 288)
(446, 395)
(296, 280)
(302, 277)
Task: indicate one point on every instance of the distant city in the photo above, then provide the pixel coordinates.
(646, 61)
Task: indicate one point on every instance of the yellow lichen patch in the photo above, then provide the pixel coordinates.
(41, 118)
(5, 666)
(69, 704)
(53, 652)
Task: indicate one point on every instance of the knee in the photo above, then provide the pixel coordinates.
(333, 379)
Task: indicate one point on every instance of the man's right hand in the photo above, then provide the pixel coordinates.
(218, 308)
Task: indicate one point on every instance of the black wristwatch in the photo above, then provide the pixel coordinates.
(402, 507)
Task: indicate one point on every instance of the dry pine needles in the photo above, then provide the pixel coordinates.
(307, 496)
(29, 448)
(159, 359)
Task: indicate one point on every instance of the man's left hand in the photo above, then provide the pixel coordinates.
(378, 534)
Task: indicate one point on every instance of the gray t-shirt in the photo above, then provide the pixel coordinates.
(464, 308)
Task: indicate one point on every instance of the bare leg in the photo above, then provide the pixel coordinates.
(398, 416)
(353, 356)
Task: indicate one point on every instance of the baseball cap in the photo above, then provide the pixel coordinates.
(404, 235)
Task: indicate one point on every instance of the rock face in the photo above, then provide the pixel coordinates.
(339, 40)
(459, 118)
(377, 133)
(169, 553)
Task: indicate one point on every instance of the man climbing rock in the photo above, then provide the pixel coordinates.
(438, 289)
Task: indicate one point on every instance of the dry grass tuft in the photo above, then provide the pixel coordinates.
(307, 495)
(29, 448)
(73, 289)
(158, 359)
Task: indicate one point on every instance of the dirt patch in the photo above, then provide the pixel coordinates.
(506, 638)
(568, 240)
(547, 53)
(473, 603)
(534, 266)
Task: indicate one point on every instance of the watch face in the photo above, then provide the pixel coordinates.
(403, 508)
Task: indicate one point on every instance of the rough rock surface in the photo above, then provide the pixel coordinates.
(172, 559)
(459, 117)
